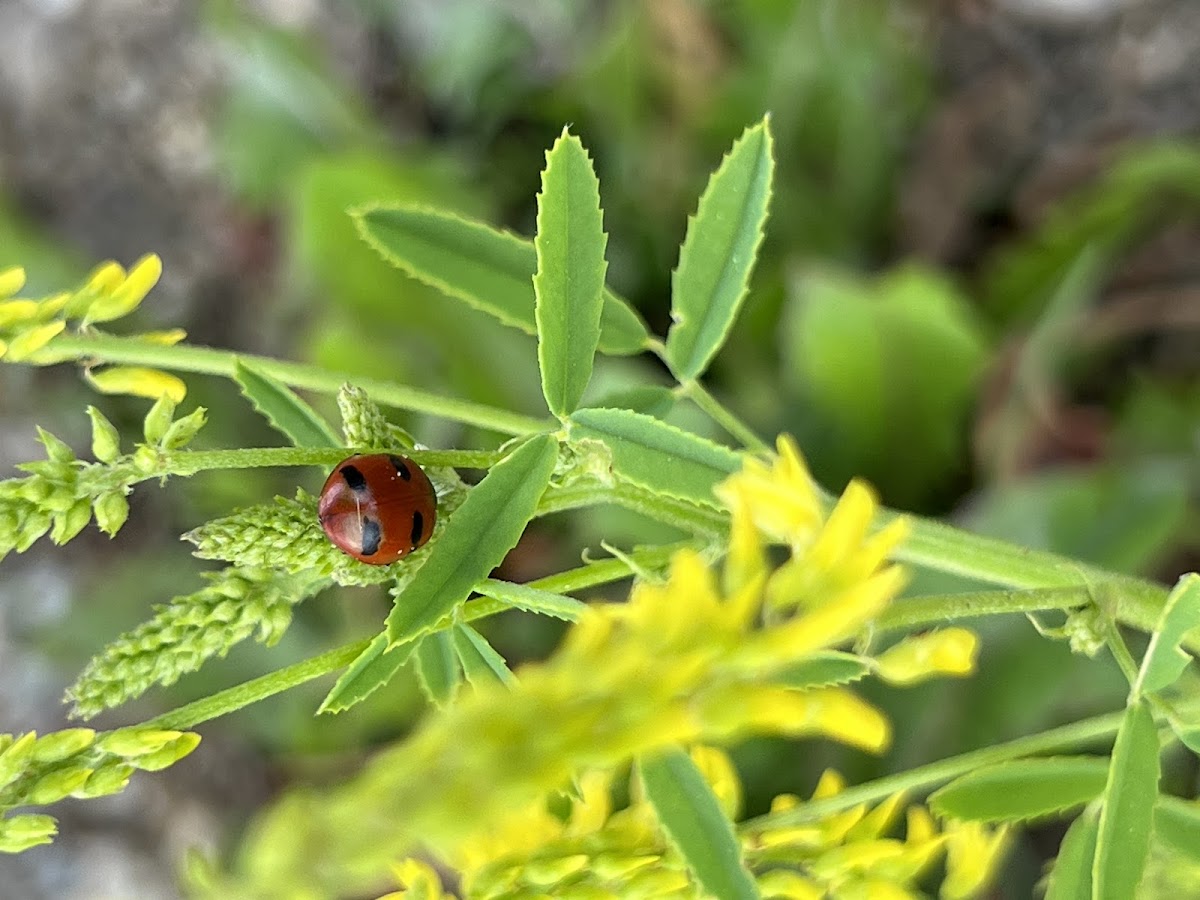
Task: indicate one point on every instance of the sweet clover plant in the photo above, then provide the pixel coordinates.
(598, 771)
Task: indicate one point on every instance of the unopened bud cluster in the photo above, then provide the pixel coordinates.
(364, 425)
(184, 633)
(76, 762)
(62, 494)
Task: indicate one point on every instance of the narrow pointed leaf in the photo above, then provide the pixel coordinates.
(488, 269)
(659, 457)
(1071, 878)
(283, 408)
(438, 670)
(693, 821)
(1123, 842)
(823, 669)
(1022, 789)
(1165, 660)
(373, 668)
(718, 253)
(476, 539)
(532, 600)
(480, 662)
(569, 284)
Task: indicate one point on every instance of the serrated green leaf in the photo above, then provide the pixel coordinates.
(373, 668)
(569, 284)
(283, 408)
(821, 669)
(477, 536)
(480, 662)
(1071, 878)
(532, 600)
(693, 821)
(1123, 842)
(1177, 826)
(718, 253)
(438, 670)
(657, 456)
(488, 269)
(650, 399)
(1165, 660)
(1022, 789)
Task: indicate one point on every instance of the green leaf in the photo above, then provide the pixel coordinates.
(569, 284)
(1123, 842)
(1177, 826)
(1071, 878)
(532, 600)
(1165, 660)
(283, 408)
(657, 456)
(373, 668)
(651, 399)
(437, 668)
(821, 669)
(718, 253)
(693, 821)
(480, 662)
(488, 269)
(1022, 789)
(476, 538)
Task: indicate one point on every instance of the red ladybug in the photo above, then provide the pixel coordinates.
(378, 507)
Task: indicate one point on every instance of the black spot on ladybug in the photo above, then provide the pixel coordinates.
(354, 479)
(401, 467)
(372, 536)
(418, 527)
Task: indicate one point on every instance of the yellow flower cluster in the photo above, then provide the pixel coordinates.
(28, 327)
(590, 852)
(702, 657)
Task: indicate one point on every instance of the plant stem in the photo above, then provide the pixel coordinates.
(210, 361)
(190, 462)
(922, 778)
(921, 612)
(720, 414)
(691, 518)
(232, 699)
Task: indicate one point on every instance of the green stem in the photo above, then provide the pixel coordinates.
(914, 613)
(210, 361)
(921, 779)
(232, 699)
(192, 461)
(720, 414)
(691, 518)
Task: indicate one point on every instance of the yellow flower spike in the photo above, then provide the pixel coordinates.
(592, 809)
(105, 278)
(12, 280)
(419, 880)
(30, 341)
(879, 820)
(919, 826)
(17, 312)
(951, 651)
(124, 297)
(137, 381)
(859, 857)
(782, 884)
(830, 784)
(973, 855)
(746, 560)
(913, 862)
(874, 889)
(780, 495)
(722, 777)
(841, 618)
(846, 528)
(833, 712)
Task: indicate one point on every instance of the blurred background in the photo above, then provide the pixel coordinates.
(980, 290)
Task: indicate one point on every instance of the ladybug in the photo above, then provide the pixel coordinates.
(377, 507)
